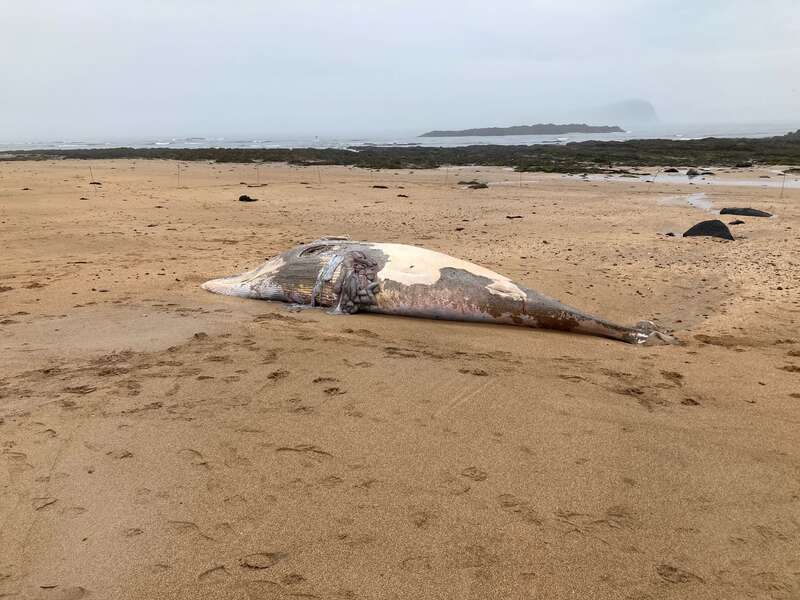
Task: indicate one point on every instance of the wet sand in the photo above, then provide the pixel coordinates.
(159, 441)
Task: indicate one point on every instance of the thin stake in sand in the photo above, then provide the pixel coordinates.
(653, 180)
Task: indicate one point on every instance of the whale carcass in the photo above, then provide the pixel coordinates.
(398, 279)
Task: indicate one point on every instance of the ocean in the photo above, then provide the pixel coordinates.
(661, 131)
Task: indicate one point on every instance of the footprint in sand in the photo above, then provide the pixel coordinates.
(187, 527)
(422, 518)
(42, 503)
(476, 372)
(133, 532)
(120, 454)
(474, 473)
(214, 575)
(278, 374)
(450, 485)
(521, 508)
(194, 457)
(261, 560)
(80, 389)
(673, 377)
(675, 574)
(68, 593)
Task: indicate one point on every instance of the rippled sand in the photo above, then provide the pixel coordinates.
(159, 441)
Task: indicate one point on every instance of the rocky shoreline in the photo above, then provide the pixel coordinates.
(578, 157)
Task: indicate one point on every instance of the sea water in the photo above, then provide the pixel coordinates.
(659, 131)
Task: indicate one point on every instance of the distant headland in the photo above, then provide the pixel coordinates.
(538, 129)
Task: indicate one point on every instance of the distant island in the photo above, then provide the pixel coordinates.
(538, 129)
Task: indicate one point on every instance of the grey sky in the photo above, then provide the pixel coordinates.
(105, 68)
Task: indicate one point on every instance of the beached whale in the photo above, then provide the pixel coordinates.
(396, 279)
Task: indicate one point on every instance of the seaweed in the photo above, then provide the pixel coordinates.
(575, 157)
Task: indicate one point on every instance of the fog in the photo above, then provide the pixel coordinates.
(83, 69)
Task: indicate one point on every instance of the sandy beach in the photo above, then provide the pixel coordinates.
(159, 441)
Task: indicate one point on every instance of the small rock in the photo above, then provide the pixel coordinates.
(246, 198)
(381, 187)
(474, 184)
(692, 173)
(736, 222)
(671, 170)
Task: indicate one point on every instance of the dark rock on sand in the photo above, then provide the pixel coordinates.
(736, 222)
(671, 170)
(745, 212)
(381, 187)
(711, 228)
(474, 184)
(246, 198)
(692, 173)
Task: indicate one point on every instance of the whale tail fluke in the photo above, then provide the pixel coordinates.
(229, 286)
(647, 333)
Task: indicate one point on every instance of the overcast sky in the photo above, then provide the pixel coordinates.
(80, 69)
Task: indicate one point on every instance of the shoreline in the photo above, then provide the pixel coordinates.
(574, 157)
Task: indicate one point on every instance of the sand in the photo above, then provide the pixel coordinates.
(159, 441)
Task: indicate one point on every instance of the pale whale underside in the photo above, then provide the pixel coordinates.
(397, 279)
